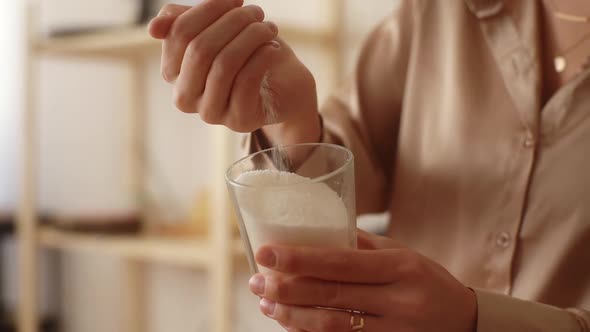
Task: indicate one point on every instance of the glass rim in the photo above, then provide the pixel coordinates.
(321, 178)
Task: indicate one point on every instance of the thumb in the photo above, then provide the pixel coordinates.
(370, 241)
(159, 26)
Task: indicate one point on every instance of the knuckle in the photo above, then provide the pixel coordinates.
(181, 31)
(168, 8)
(411, 265)
(280, 288)
(288, 262)
(236, 122)
(184, 102)
(209, 116)
(200, 51)
(222, 67)
(283, 314)
(178, 32)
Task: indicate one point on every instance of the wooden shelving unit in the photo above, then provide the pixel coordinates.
(186, 252)
(216, 254)
(133, 40)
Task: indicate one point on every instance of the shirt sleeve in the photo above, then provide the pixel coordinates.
(364, 114)
(497, 312)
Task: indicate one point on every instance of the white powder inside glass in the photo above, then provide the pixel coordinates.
(285, 208)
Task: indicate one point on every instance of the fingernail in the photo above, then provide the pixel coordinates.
(168, 77)
(273, 27)
(267, 307)
(275, 44)
(257, 284)
(259, 12)
(267, 257)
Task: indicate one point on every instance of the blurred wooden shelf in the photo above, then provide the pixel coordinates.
(218, 254)
(108, 42)
(186, 252)
(129, 41)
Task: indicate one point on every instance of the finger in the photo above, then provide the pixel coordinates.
(202, 50)
(174, 10)
(186, 27)
(309, 292)
(228, 64)
(315, 319)
(335, 264)
(248, 102)
(160, 25)
(370, 241)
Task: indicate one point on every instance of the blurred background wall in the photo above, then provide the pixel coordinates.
(83, 167)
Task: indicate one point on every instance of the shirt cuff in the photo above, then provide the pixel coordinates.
(497, 312)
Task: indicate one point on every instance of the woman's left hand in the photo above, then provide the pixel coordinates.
(396, 289)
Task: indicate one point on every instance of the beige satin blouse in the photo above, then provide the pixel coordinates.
(445, 119)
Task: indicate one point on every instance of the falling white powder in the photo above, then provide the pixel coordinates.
(288, 209)
(269, 105)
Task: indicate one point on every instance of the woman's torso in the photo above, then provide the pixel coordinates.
(487, 180)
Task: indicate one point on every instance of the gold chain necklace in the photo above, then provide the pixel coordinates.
(567, 17)
(560, 61)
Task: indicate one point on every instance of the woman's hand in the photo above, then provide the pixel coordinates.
(231, 67)
(397, 289)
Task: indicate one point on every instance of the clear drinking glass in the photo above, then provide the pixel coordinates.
(313, 206)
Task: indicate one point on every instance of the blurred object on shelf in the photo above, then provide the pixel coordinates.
(6, 224)
(198, 223)
(59, 17)
(99, 223)
(8, 323)
(7, 317)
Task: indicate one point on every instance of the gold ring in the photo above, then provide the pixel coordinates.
(357, 321)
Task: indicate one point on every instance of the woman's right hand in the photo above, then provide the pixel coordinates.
(230, 67)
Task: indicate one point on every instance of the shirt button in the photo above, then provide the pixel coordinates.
(503, 240)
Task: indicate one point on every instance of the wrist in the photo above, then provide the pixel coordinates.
(306, 128)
